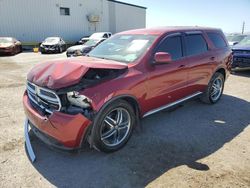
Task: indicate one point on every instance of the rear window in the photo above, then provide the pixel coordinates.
(195, 44)
(217, 40)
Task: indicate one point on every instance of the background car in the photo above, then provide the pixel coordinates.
(241, 54)
(235, 39)
(99, 35)
(9, 45)
(53, 45)
(83, 49)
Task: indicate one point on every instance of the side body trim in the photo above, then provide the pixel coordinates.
(171, 104)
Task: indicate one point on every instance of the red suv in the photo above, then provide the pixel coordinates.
(101, 98)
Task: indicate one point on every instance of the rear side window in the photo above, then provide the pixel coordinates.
(217, 40)
(195, 44)
(173, 46)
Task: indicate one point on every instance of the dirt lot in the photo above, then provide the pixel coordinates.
(196, 145)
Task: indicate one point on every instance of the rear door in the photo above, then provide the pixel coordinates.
(200, 59)
(167, 82)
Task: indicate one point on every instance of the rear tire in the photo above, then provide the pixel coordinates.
(14, 51)
(60, 50)
(114, 126)
(20, 49)
(214, 89)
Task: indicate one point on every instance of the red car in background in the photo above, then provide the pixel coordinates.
(9, 45)
(101, 98)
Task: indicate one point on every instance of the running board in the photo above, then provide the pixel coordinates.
(171, 104)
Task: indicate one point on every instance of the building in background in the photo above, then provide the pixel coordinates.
(33, 20)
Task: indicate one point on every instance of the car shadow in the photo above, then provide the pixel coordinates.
(168, 140)
(244, 73)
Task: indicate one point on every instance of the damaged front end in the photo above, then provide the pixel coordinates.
(74, 102)
(55, 105)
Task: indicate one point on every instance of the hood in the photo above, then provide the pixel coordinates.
(231, 43)
(78, 47)
(64, 73)
(241, 47)
(6, 45)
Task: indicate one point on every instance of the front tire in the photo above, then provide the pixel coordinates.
(214, 89)
(114, 126)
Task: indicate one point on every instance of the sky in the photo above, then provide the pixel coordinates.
(225, 14)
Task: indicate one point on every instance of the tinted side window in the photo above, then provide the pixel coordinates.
(173, 46)
(217, 40)
(195, 44)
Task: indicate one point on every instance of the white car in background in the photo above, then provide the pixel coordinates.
(235, 39)
(99, 35)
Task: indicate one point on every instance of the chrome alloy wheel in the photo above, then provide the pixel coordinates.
(115, 127)
(216, 89)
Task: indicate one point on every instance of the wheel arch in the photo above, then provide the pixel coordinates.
(132, 100)
(222, 71)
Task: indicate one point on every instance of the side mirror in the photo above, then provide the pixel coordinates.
(162, 57)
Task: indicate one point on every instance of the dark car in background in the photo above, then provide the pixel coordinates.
(81, 50)
(53, 45)
(241, 54)
(235, 39)
(10, 45)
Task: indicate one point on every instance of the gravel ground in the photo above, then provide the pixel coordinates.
(196, 145)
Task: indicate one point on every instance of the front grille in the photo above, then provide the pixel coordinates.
(242, 59)
(49, 46)
(44, 99)
(241, 51)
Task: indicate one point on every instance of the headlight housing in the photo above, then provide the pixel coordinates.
(78, 100)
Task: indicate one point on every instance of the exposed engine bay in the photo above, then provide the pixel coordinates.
(73, 102)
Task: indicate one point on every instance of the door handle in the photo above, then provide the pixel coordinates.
(181, 66)
(212, 58)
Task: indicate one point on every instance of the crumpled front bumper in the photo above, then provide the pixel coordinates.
(58, 129)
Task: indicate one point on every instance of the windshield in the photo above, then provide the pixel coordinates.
(91, 42)
(6, 40)
(236, 38)
(125, 48)
(50, 39)
(96, 35)
(245, 41)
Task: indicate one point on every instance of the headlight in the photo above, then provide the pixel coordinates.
(78, 52)
(78, 100)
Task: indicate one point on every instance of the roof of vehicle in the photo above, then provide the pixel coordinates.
(6, 38)
(101, 33)
(162, 30)
(9, 39)
(53, 38)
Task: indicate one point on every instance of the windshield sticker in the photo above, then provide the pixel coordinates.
(137, 45)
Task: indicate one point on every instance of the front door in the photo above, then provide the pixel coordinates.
(167, 82)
